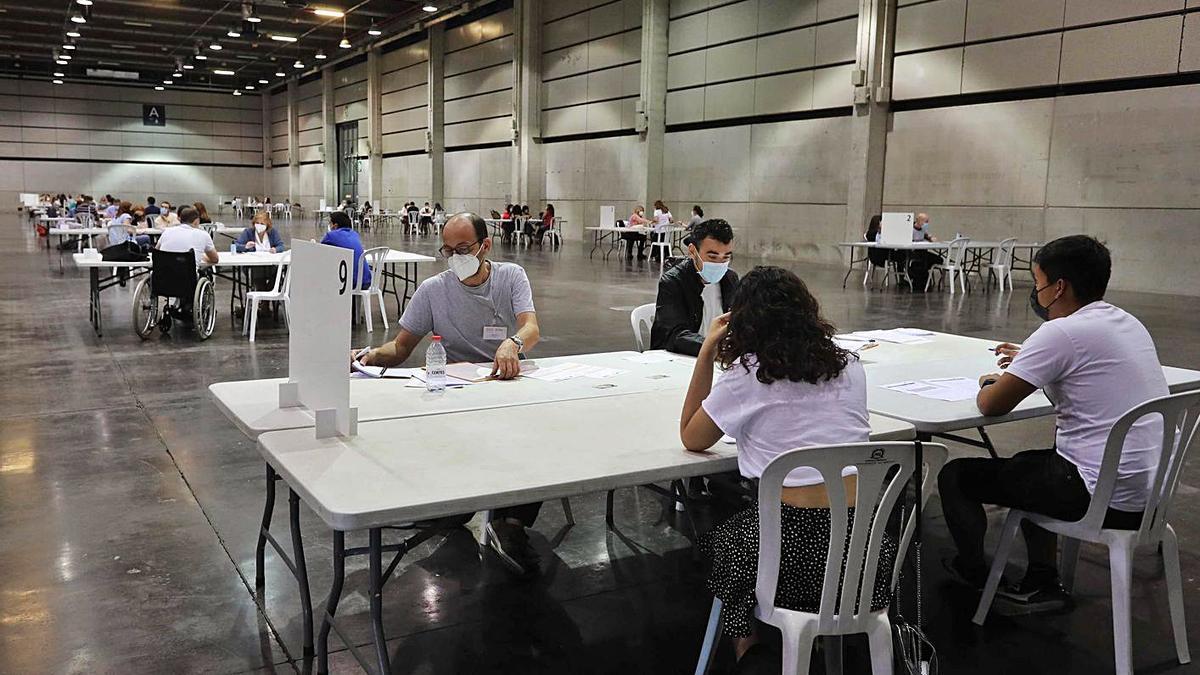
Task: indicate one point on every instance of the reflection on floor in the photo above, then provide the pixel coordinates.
(129, 505)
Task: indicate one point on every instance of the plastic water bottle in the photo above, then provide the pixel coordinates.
(435, 365)
(233, 247)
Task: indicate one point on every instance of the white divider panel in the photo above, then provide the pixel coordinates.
(608, 216)
(897, 228)
(319, 347)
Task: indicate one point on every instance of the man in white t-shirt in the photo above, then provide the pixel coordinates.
(189, 237)
(1094, 362)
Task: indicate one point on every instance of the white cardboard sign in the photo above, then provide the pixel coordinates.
(608, 216)
(319, 346)
(897, 228)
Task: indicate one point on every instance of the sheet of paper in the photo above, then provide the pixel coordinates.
(939, 389)
(569, 371)
(419, 376)
(853, 345)
(484, 370)
(648, 357)
(893, 335)
(375, 371)
(918, 332)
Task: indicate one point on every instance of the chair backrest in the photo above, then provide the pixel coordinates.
(956, 253)
(284, 260)
(413, 214)
(85, 219)
(173, 274)
(373, 257)
(1180, 415)
(883, 471)
(1004, 253)
(641, 317)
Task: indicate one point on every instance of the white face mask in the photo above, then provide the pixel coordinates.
(464, 266)
(260, 227)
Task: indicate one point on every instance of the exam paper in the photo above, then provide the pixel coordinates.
(361, 371)
(897, 335)
(648, 357)
(570, 371)
(940, 389)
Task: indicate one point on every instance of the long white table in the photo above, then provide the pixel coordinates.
(612, 235)
(980, 251)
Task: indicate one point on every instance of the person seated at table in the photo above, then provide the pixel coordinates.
(166, 217)
(151, 208)
(203, 211)
(661, 223)
(694, 291)
(86, 209)
(636, 219)
(877, 256)
(538, 231)
(483, 310)
(426, 218)
(187, 236)
(123, 228)
(784, 384)
(260, 235)
(920, 262)
(507, 225)
(341, 233)
(1094, 361)
(110, 211)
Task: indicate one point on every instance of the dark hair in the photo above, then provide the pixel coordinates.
(480, 225)
(874, 226)
(777, 320)
(187, 214)
(698, 211)
(714, 228)
(658, 204)
(150, 200)
(340, 219)
(550, 210)
(1079, 259)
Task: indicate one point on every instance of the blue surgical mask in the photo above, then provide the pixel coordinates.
(712, 272)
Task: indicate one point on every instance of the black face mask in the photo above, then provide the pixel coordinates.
(1043, 313)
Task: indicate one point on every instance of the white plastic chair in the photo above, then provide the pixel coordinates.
(1001, 266)
(642, 318)
(954, 264)
(414, 222)
(1180, 414)
(876, 496)
(554, 234)
(889, 268)
(373, 257)
(280, 292)
(664, 247)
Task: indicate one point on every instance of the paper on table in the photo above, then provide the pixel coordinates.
(569, 371)
(377, 371)
(939, 389)
(919, 332)
(648, 357)
(484, 370)
(419, 376)
(854, 345)
(895, 335)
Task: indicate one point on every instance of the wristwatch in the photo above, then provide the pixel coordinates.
(518, 342)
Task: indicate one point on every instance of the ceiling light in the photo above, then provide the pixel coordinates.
(60, 62)
(221, 71)
(374, 30)
(73, 33)
(264, 82)
(58, 74)
(249, 14)
(283, 38)
(331, 13)
(65, 57)
(236, 92)
(215, 46)
(159, 88)
(85, 3)
(138, 24)
(188, 66)
(344, 44)
(177, 74)
(168, 82)
(321, 54)
(234, 32)
(78, 18)
(250, 87)
(57, 81)
(429, 8)
(68, 45)
(298, 64)
(281, 74)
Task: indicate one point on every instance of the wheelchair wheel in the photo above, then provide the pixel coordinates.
(145, 309)
(204, 308)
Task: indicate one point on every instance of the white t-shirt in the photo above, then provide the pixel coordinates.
(1095, 365)
(711, 295)
(662, 220)
(182, 238)
(770, 419)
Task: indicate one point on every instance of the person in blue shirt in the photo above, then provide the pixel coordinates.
(261, 235)
(151, 208)
(341, 234)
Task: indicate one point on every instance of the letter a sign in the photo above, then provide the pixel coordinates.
(154, 115)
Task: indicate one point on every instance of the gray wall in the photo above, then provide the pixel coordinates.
(90, 138)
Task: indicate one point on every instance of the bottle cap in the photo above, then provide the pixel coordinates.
(437, 338)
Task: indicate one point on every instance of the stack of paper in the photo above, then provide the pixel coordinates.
(940, 389)
(376, 371)
(570, 371)
(903, 336)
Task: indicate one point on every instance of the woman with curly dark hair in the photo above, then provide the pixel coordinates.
(785, 384)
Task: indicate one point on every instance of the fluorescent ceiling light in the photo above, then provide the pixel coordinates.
(57, 81)
(57, 74)
(281, 74)
(65, 57)
(201, 57)
(344, 44)
(69, 45)
(78, 18)
(138, 24)
(283, 38)
(85, 3)
(321, 54)
(429, 8)
(298, 64)
(331, 13)
(236, 92)
(234, 33)
(60, 62)
(250, 87)
(264, 81)
(222, 71)
(73, 33)
(249, 14)
(188, 66)
(374, 30)
(177, 74)
(168, 82)
(215, 46)
(159, 88)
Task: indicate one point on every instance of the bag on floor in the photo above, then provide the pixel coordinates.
(126, 251)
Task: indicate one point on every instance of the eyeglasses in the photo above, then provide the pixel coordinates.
(461, 249)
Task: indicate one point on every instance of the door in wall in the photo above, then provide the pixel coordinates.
(347, 166)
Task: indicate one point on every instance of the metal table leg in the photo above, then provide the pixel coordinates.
(331, 603)
(94, 300)
(375, 587)
(264, 529)
(301, 573)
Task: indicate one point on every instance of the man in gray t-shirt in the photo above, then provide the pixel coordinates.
(483, 311)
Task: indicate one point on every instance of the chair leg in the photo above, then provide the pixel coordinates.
(962, 281)
(608, 508)
(712, 635)
(1011, 524)
(484, 537)
(879, 636)
(366, 309)
(951, 272)
(797, 652)
(834, 647)
(1066, 565)
(1170, 554)
(383, 310)
(246, 321)
(1120, 562)
(253, 318)
(566, 507)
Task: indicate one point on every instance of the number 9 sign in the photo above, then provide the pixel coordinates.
(342, 277)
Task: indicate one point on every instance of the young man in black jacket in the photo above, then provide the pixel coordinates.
(695, 291)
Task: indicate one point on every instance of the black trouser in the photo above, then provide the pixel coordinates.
(656, 237)
(631, 239)
(525, 514)
(1039, 481)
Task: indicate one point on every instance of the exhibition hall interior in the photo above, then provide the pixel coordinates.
(600, 336)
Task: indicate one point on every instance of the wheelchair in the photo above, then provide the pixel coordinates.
(187, 296)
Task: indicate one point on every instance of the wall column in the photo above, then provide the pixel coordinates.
(293, 142)
(329, 122)
(374, 127)
(872, 81)
(266, 145)
(528, 162)
(651, 119)
(436, 139)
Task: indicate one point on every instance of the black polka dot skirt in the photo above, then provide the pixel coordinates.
(732, 548)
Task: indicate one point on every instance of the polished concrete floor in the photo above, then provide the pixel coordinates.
(129, 505)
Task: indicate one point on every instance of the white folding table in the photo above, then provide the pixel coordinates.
(979, 249)
(612, 235)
